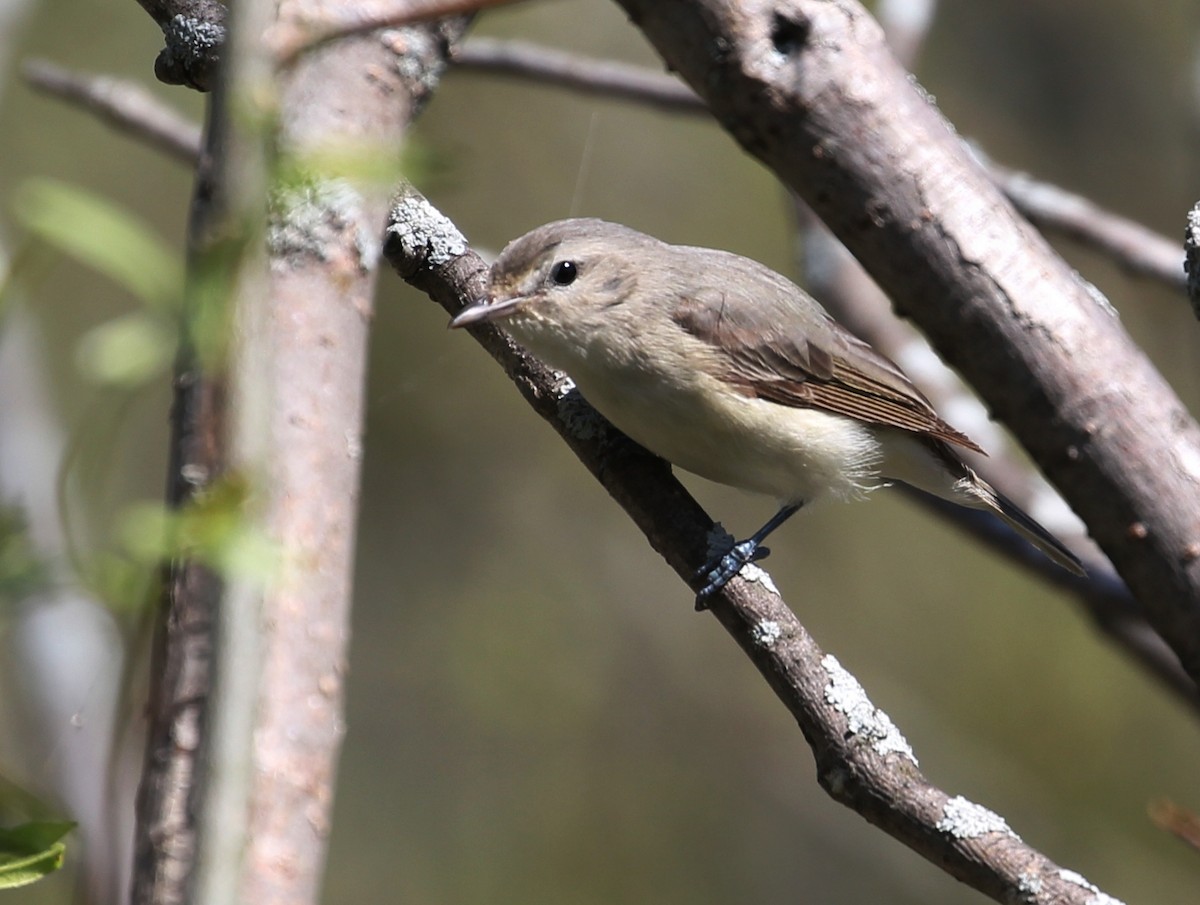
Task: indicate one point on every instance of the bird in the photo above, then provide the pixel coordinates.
(729, 370)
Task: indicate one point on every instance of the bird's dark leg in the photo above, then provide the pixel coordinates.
(720, 569)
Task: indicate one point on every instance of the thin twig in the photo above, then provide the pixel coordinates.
(122, 104)
(1136, 249)
(290, 38)
(525, 59)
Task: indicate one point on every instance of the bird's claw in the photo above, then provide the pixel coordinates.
(718, 571)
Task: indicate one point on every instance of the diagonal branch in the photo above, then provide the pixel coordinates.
(607, 78)
(122, 104)
(1103, 596)
(1133, 247)
(799, 84)
(316, 25)
(856, 301)
(862, 759)
(838, 280)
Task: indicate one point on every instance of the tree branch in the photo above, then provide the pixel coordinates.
(799, 84)
(122, 104)
(1133, 247)
(607, 78)
(194, 32)
(238, 789)
(295, 35)
(862, 759)
(859, 304)
(1191, 265)
(1136, 249)
(841, 283)
(846, 290)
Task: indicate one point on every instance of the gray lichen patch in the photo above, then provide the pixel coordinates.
(191, 40)
(419, 57)
(963, 819)
(1100, 898)
(311, 219)
(426, 237)
(766, 633)
(863, 719)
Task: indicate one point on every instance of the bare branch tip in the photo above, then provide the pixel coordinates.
(420, 236)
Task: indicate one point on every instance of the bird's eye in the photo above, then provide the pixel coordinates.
(564, 273)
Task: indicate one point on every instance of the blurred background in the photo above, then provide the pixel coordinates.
(535, 713)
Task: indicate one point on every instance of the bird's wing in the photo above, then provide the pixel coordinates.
(829, 369)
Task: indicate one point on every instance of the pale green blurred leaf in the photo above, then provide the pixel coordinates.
(22, 570)
(146, 530)
(247, 552)
(31, 851)
(126, 350)
(214, 527)
(103, 236)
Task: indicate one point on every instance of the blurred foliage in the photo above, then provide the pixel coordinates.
(130, 349)
(103, 236)
(22, 570)
(212, 527)
(31, 851)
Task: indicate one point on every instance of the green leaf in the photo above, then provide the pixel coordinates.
(127, 350)
(103, 236)
(22, 572)
(31, 851)
(148, 531)
(216, 527)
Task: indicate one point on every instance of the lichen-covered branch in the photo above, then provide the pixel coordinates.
(862, 759)
(194, 33)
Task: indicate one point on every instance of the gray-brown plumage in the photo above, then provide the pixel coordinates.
(729, 370)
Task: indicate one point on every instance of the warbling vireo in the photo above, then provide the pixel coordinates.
(729, 370)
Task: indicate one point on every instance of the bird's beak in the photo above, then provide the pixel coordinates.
(485, 310)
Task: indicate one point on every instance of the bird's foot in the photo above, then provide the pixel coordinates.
(720, 569)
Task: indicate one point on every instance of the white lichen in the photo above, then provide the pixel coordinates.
(1029, 884)
(766, 633)
(965, 819)
(753, 572)
(863, 719)
(424, 232)
(1100, 898)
